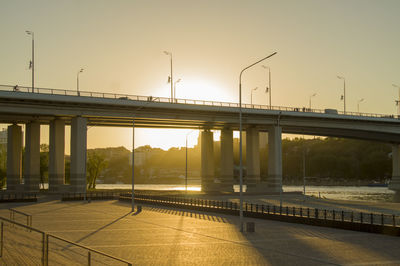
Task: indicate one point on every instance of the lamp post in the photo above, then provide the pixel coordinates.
(133, 166)
(344, 93)
(358, 104)
(251, 95)
(32, 63)
(241, 139)
(398, 101)
(77, 81)
(170, 79)
(175, 87)
(309, 100)
(268, 89)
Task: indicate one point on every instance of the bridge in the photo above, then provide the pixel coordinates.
(57, 108)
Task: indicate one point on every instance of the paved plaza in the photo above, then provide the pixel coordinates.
(164, 236)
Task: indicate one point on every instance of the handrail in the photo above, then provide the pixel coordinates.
(28, 216)
(46, 235)
(90, 249)
(128, 97)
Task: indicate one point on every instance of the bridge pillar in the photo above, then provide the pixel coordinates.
(56, 155)
(252, 159)
(78, 154)
(14, 157)
(395, 182)
(207, 162)
(32, 157)
(226, 174)
(274, 180)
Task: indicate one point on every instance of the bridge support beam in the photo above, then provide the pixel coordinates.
(207, 162)
(252, 159)
(274, 180)
(395, 182)
(226, 174)
(56, 155)
(78, 154)
(14, 157)
(32, 157)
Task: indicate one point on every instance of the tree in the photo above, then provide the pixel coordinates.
(95, 164)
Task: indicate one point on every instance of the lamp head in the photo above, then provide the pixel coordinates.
(339, 77)
(167, 53)
(178, 80)
(80, 71)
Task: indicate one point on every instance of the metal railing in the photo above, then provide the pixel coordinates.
(250, 208)
(17, 197)
(45, 242)
(89, 196)
(27, 216)
(128, 97)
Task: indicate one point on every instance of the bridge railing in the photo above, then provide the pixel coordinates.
(128, 97)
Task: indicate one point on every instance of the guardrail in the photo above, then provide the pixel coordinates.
(28, 216)
(89, 196)
(45, 240)
(119, 96)
(358, 221)
(18, 197)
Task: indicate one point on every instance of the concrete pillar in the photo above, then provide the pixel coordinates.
(252, 158)
(274, 159)
(56, 155)
(14, 157)
(32, 157)
(395, 182)
(226, 174)
(207, 161)
(78, 154)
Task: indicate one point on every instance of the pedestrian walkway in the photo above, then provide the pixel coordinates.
(164, 236)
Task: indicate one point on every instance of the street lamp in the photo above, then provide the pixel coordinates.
(309, 102)
(241, 139)
(77, 81)
(398, 101)
(175, 87)
(170, 78)
(251, 95)
(268, 89)
(344, 93)
(358, 104)
(32, 62)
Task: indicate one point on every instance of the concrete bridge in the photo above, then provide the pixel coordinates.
(58, 108)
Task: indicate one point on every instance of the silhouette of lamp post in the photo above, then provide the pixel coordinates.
(77, 81)
(32, 62)
(358, 104)
(309, 100)
(186, 160)
(397, 101)
(170, 78)
(344, 93)
(251, 95)
(179, 80)
(241, 139)
(268, 89)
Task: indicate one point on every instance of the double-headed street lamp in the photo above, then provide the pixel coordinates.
(309, 100)
(175, 87)
(268, 88)
(241, 139)
(344, 93)
(397, 101)
(251, 95)
(77, 81)
(32, 62)
(358, 104)
(170, 78)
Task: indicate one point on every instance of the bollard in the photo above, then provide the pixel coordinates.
(274, 209)
(268, 209)
(301, 211)
(262, 208)
(325, 214)
(308, 212)
(352, 217)
(333, 215)
(246, 206)
(342, 216)
(394, 220)
(382, 219)
(316, 213)
(294, 211)
(372, 218)
(361, 217)
(256, 207)
(287, 211)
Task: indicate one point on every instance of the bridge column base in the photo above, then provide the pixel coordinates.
(78, 154)
(14, 157)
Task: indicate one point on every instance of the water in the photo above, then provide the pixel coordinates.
(363, 193)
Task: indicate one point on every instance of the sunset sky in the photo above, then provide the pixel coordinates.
(120, 45)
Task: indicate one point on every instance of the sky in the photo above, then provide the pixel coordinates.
(120, 45)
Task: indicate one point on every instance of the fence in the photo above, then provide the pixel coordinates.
(89, 196)
(24, 245)
(127, 97)
(18, 197)
(27, 216)
(359, 221)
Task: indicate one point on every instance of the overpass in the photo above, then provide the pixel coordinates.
(58, 108)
